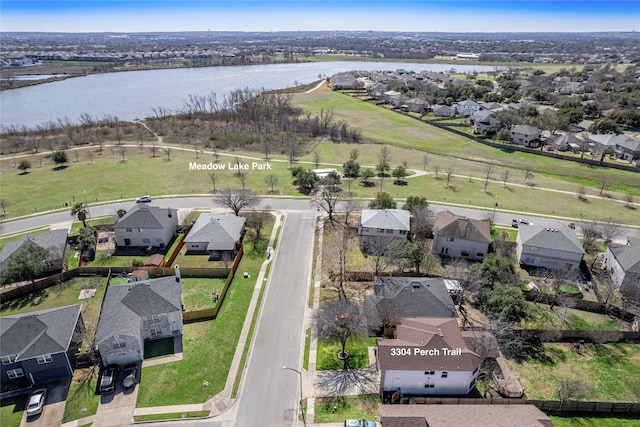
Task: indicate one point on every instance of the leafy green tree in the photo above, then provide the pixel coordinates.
(382, 200)
(25, 264)
(366, 176)
(497, 269)
(603, 126)
(81, 211)
(24, 165)
(505, 302)
(60, 158)
(351, 169)
(414, 202)
(399, 173)
(87, 243)
(382, 168)
(305, 180)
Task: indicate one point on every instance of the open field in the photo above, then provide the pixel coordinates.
(600, 366)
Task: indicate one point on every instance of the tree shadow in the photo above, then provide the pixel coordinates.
(631, 207)
(33, 299)
(59, 168)
(24, 173)
(400, 183)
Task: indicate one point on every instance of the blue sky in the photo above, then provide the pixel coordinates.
(308, 15)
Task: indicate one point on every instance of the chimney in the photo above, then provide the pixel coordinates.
(177, 273)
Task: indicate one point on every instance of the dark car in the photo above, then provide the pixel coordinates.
(108, 379)
(130, 376)
(35, 404)
(514, 223)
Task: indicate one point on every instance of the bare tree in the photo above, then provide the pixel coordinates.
(336, 255)
(505, 177)
(266, 147)
(353, 154)
(571, 388)
(582, 193)
(271, 181)
(425, 161)
(236, 199)
(450, 171)
(609, 229)
(629, 201)
(292, 153)
(339, 321)
(527, 175)
(349, 205)
(316, 158)
(256, 220)
(216, 155)
(603, 181)
(328, 196)
(488, 170)
(242, 178)
(380, 251)
(167, 151)
(123, 151)
(590, 233)
(3, 205)
(436, 169)
(214, 178)
(90, 155)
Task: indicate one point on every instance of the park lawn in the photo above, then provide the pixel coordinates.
(76, 226)
(338, 409)
(590, 420)
(11, 411)
(197, 291)
(208, 347)
(82, 400)
(13, 237)
(611, 372)
(379, 125)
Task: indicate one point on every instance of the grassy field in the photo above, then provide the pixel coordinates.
(576, 320)
(600, 366)
(196, 292)
(208, 346)
(347, 407)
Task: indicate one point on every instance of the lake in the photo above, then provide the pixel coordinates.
(132, 95)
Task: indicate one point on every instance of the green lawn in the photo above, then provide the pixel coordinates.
(595, 421)
(11, 411)
(104, 260)
(76, 226)
(171, 416)
(208, 347)
(347, 407)
(498, 231)
(197, 291)
(82, 400)
(327, 356)
(577, 320)
(601, 366)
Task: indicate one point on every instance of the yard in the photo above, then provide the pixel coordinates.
(11, 411)
(82, 400)
(600, 367)
(357, 347)
(338, 409)
(577, 320)
(197, 292)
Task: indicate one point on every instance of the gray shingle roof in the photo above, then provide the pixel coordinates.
(125, 305)
(560, 237)
(628, 256)
(394, 219)
(39, 332)
(145, 216)
(221, 232)
(525, 130)
(54, 241)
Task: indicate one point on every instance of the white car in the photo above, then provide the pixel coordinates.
(36, 402)
(143, 199)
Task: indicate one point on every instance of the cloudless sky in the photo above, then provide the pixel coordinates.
(310, 15)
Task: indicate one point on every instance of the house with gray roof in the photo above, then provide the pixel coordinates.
(218, 235)
(564, 142)
(467, 107)
(397, 297)
(623, 262)
(146, 226)
(345, 81)
(137, 312)
(459, 236)
(416, 105)
(54, 241)
(40, 345)
(443, 111)
(483, 122)
(427, 356)
(554, 247)
(526, 135)
(383, 224)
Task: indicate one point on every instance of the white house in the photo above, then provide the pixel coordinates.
(467, 107)
(146, 226)
(137, 312)
(383, 224)
(427, 356)
(458, 236)
(623, 262)
(555, 247)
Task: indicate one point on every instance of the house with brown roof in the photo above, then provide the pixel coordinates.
(459, 236)
(428, 356)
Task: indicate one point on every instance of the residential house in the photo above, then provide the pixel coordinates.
(623, 262)
(555, 247)
(137, 312)
(54, 241)
(40, 345)
(526, 135)
(416, 105)
(463, 415)
(218, 235)
(443, 111)
(482, 122)
(394, 98)
(427, 356)
(377, 90)
(459, 236)
(467, 107)
(383, 224)
(396, 297)
(344, 81)
(564, 142)
(146, 226)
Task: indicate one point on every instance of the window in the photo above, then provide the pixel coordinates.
(46, 358)
(155, 332)
(140, 230)
(445, 374)
(146, 241)
(464, 253)
(158, 240)
(128, 230)
(450, 239)
(380, 230)
(15, 373)
(403, 231)
(6, 360)
(365, 228)
(389, 231)
(429, 385)
(429, 372)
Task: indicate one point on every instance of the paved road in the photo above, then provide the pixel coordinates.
(270, 394)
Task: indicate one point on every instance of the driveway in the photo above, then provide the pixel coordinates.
(53, 410)
(116, 409)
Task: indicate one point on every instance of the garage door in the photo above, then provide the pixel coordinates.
(49, 374)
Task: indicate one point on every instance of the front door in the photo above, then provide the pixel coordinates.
(127, 242)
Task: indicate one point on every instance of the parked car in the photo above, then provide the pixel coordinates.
(514, 223)
(359, 423)
(35, 404)
(109, 378)
(130, 375)
(143, 199)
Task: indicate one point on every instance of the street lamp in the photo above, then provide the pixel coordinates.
(304, 421)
